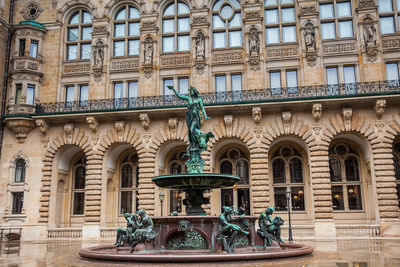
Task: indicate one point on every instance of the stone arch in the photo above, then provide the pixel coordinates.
(111, 7)
(77, 138)
(18, 156)
(66, 9)
(165, 3)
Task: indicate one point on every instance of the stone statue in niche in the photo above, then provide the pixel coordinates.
(98, 53)
(254, 42)
(148, 51)
(200, 45)
(309, 37)
(370, 37)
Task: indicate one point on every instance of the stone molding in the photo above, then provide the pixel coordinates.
(125, 65)
(340, 48)
(20, 127)
(227, 57)
(281, 52)
(175, 61)
(76, 68)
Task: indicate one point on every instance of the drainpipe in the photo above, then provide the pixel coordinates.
(6, 70)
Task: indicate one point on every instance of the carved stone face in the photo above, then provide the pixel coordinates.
(257, 115)
(317, 111)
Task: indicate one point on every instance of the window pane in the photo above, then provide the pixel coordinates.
(133, 47)
(74, 19)
(287, 2)
(217, 22)
(242, 170)
(168, 44)
(328, 30)
(30, 94)
(183, 9)
(175, 168)
(184, 85)
(392, 72)
(219, 40)
(244, 200)
(20, 171)
(87, 18)
(297, 198)
(271, 2)
(331, 75)
(226, 197)
(291, 78)
(275, 79)
(170, 10)
(134, 29)
(351, 168)
(86, 33)
(118, 90)
(387, 25)
(183, 25)
(396, 167)
(326, 11)
(296, 171)
(168, 82)
(236, 82)
(133, 13)
(354, 196)
(72, 34)
(183, 43)
(235, 38)
(79, 182)
(22, 43)
(33, 49)
(288, 15)
(289, 34)
(343, 9)
(349, 75)
(337, 198)
(18, 93)
(273, 35)
(278, 171)
(18, 201)
(119, 30)
(226, 11)
(345, 29)
(217, 5)
(280, 198)
(385, 6)
(126, 176)
(271, 16)
(235, 4)
(335, 169)
(86, 50)
(133, 89)
(84, 95)
(120, 14)
(236, 20)
(119, 48)
(175, 201)
(398, 5)
(220, 83)
(168, 25)
(126, 202)
(70, 94)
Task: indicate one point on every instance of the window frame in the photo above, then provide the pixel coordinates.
(17, 207)
(79, 42)
(280, 24)
(336, 20)
(396, 154)
(134, 189)
(75, 191)
(395, 13)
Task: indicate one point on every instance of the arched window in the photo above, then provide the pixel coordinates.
(396, 160)
(78, 186)
(79, 36)
(345, 178)
(126, 32)
(176, 27)
(20, 167)
(129, 184)
(227, 24)
(287, 172)
(176, 165)
(280, 21)
(235, 161)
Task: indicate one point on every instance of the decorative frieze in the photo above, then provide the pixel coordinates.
(366, 4)
(76, 68)
(340, 48)
(252, 15)
(175, 61)
(390, 44)
(199, 20)
(149, 25)
(279, 53)
(227, 57)
(132, 65)
(307, 11)
(99, 30)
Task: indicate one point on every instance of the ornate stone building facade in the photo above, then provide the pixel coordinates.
(303, 95)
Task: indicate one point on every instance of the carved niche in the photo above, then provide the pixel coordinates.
(369, 35)
(200, 43)
(148, 57)
(98, 59)
(31, 10)
(254, 48)
(310, 43)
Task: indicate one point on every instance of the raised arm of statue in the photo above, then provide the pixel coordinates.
(183, 97)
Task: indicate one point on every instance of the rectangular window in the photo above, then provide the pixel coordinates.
(236, 84)
(336, 20)
(33, 51)
(119, 48)
(168, 93)
(275, 82)
(30, 94)
(392, 72)
(297, 198)
(168, 44)
(83, 95)
(79, 203)
(69, 96)
(22, 44)
(118, 94)
(332, 80)
(175, 201)
(235, 38)
(354, 197)
(337, 198)
(291, 81)
(18, 93)
(244, 199)
(133, 47)
(388, 15)
(219, 39)
(126, 202)
(280, 21)
(280, 198)
(220, 86)
(183, 85)
(72, 52)
(17, 203)
(350, 79)
(184, 43)
(226, 198)
(86, 50)
(133, 93)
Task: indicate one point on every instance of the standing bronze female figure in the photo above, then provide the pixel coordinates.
(198, 140)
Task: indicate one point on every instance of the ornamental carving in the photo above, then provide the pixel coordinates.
(173, 125)
(347, 114)
(317, 112)
(200, 45)
(286, 120)
(340, 48)
(125, 65)
(391, 44)
(99, 30)
(257, 115)
(43, 127)
(175, 61)
(93, 126)
(254, 41)
(309, 41)
(228, 121)
(98, 58)
(148, 57)
(281, 53)
(252, 15)
(21, 127)
(200, 20)
(145, 119)
(69, 130)
(307, 10)
(365, 4)
(31, 11)
(120, 127)
(76, 68)
(380, 106)
(228, 57)
(149, 25)
(370, 45)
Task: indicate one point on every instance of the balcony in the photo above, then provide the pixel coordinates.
(341, 91)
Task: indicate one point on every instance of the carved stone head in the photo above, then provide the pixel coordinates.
(317, 111)
(380, 106)
(257, 115)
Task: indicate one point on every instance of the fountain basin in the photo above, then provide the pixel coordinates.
(205, 181)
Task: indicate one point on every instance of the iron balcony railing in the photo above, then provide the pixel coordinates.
(229, 97)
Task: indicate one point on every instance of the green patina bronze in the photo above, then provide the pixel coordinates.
(186, 238)
(270, 229)
(197, 139)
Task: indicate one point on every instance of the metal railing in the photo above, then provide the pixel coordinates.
(229, 97)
